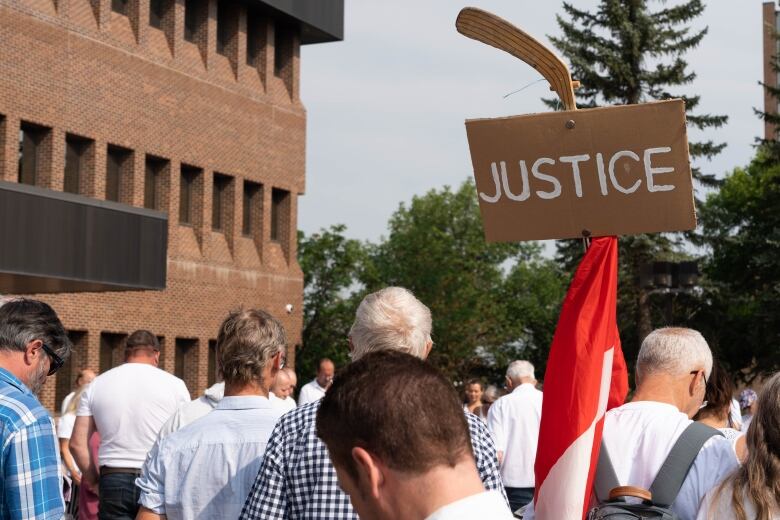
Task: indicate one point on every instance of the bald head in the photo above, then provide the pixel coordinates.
(282, 387)
(325, 373)
(291, 374)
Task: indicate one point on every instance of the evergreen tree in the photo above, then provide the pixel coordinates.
(626, 52)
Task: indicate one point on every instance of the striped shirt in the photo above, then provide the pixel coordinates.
(30, 480)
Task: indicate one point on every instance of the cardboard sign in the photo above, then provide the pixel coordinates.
(617, 170)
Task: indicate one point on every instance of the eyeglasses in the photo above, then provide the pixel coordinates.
(282, 360)
(56, 361)
(704, 376)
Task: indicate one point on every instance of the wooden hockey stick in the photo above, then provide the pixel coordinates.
(495, 31)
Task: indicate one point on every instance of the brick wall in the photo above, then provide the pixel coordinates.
(79, 69)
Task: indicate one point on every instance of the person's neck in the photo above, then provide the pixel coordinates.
(420, 496)
(660, 389)
(143, 360)
(15, 365)
(714, 422)
(253, 388)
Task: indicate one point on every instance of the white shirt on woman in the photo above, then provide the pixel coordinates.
(514, 422)
(719, 505)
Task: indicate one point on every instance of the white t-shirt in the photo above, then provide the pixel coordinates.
(311, 391)
(514, 422)
(129, 404)
(721, 506)
(193, 410)
(639, 436)
(65, 425)
(488, 505)
(66, 402)
(285, 404)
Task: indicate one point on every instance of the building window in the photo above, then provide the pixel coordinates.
(223, 30)
(189, 177)
(120, 6)
(252, 199)
(116, 162)
(219, 201)
(155, 168)
(157, 11)
(111, 352)
(278, 206)
(191, 18)
(282, 48)
(185, 364)
(253, 32)
(31, 139)
(75, 159)
(212, 365)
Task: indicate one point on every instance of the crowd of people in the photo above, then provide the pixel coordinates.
(385, 437)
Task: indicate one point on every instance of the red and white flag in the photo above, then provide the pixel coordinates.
(586, 375)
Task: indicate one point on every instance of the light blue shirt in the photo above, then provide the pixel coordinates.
(206, 469)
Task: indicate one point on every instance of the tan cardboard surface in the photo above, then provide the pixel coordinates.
(634, 172)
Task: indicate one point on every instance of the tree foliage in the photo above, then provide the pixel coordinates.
(741, 228)
(627, 52)
(490, 303)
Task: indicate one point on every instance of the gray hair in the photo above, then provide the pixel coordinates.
(23, 320)
(247, 341)
(391, 319)
(518, 369)
(674, 351)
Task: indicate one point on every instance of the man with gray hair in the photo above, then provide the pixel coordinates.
(33, 346)
(514, 421)
(671, 377)
(205, 469)
(297, 479)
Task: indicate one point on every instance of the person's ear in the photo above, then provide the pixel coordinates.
(694, 383)
(428, 348)
(370, 475)
(509, 384)
(32, 351)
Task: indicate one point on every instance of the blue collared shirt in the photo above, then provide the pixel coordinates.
(205, 470)
(31, 480)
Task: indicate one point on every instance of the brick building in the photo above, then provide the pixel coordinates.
(186, 107)
(771, 26)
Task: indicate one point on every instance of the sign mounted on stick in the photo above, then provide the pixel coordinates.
(617, 170)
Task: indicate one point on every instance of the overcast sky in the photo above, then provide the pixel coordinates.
(386, 106)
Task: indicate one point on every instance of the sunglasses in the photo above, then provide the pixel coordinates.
(56, 361)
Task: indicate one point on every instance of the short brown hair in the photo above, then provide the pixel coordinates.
(140, 339)
(247, 340)
(397, 407)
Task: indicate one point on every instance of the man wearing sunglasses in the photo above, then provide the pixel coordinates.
(33, 346)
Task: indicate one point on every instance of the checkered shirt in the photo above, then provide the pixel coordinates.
(30, 480)
(297, 480)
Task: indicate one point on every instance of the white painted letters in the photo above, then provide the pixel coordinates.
(523, 176)
(615, 183)
(494, 198)
(650, 171)
(575, 169)
(544, 177)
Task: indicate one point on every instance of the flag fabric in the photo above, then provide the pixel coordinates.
(586, 374)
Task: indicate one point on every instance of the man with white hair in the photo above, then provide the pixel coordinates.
(297, 479)
(514, 421)
(671, 377)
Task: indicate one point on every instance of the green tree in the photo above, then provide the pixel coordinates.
(480, 294)
(741, 228)
(626, 52)
(330, 264)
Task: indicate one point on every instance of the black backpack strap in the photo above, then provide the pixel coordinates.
(606, 479)
(675, 468)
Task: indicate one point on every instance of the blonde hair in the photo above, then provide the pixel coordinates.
(758, 479)
(674, 351)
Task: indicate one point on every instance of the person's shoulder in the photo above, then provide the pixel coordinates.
(298, 420)
(19, 410)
